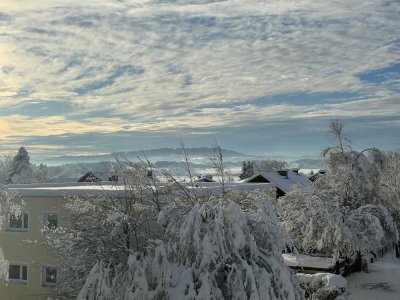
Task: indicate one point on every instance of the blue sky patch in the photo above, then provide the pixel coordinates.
(123, 70)
(389, 76)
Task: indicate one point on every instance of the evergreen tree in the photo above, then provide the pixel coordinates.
(247, 170)
(21, 168)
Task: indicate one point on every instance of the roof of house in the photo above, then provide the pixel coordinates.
(95, 176)
(204, 179)
(215, 188)
(284, 183)
(115, 189)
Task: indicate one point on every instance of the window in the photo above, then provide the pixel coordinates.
(50, 220)
(18, 222)
(18, 273)
(49, 276)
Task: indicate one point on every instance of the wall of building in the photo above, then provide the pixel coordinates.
(27, 247)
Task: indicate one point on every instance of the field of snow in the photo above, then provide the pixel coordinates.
(381, 283)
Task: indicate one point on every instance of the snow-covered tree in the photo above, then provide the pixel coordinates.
(390, 184)
(106, 226)
(354, 175)
(344, 210)
(21, 168)
(5, 168)
(201, 248)
(226, 247)
(250, 168)
(357, 177)
(319, 224)
(269, 165)
(41, 174)
(314, 219)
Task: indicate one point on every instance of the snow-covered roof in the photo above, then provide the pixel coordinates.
(284, 183)
(314, 176)
(215, 188)
(99, 176)
(112, 188)
(64, 188)
(307, 261)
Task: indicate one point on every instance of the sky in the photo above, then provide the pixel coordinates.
(260, 77)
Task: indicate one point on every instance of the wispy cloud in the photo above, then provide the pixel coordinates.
(69, 67)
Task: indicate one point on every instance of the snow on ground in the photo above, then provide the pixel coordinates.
(381, 283)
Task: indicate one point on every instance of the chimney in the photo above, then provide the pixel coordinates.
(283, 173)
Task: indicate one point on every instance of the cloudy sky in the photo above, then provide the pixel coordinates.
(262, 77)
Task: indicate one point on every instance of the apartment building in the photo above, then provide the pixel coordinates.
(32, 271)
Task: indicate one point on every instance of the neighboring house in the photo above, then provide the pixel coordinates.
(97, 177)
(31, 267)
(102, 176)
(205, 179)
(284, 180)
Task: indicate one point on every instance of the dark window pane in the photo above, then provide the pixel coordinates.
(52, 220)
(24, 273)
(25, 220)
(15, 221)
(14, 272)
(51, 275)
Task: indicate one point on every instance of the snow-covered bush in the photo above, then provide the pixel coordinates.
(323, 286)
(329, 293)
(226, 247)
(371, 227)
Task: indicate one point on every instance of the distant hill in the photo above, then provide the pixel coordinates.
(161, 154)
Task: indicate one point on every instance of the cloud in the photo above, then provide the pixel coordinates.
(193, 66)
